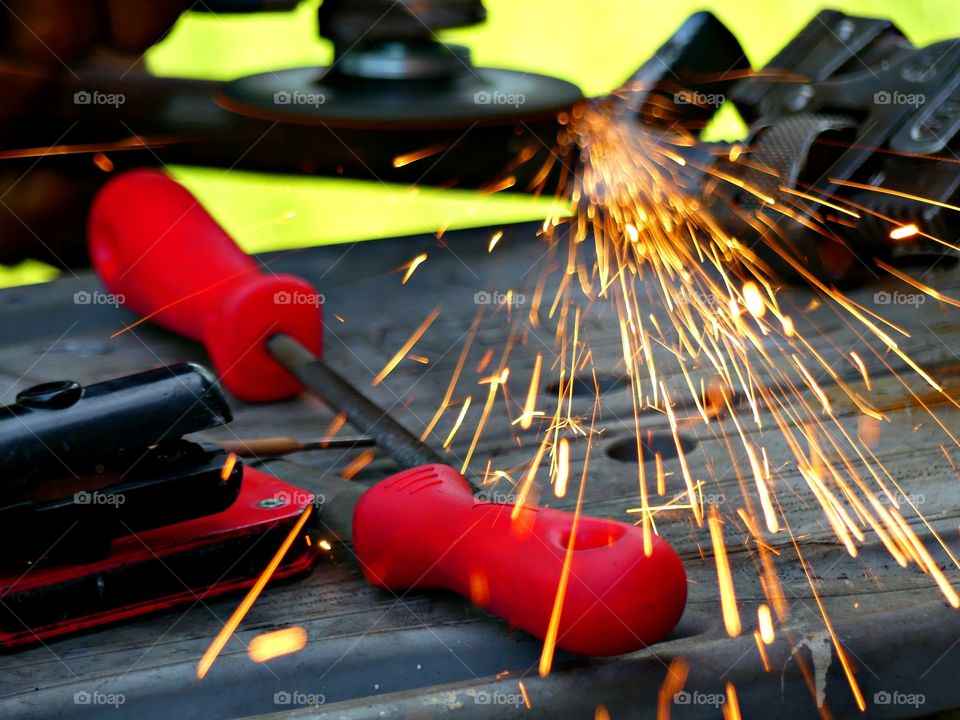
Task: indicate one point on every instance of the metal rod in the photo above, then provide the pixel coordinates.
(278, 446)
(395, 440)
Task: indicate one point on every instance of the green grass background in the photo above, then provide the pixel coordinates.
(594, 43)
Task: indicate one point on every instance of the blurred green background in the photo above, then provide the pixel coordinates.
(596, 44)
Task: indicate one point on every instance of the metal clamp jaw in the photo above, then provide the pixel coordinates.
(848, 104)
(91, 463)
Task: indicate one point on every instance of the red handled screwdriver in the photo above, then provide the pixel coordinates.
(154, 244)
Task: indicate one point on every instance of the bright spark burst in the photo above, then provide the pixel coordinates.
(636, 241)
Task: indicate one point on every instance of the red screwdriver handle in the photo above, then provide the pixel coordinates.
(423, 528)
(154, 245)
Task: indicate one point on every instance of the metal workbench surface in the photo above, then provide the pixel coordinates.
(373, 654)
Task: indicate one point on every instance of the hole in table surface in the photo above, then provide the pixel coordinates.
(583, 385)
(652, 443)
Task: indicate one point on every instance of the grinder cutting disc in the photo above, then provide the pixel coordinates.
(479, 127)
(410, 93)
(390, 71)
(383, 102)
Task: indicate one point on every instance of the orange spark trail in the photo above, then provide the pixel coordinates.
(412, 266)
(456, 425)
(672, 684)
(550, 641)
(210, 656)
(904, 232)
(526, 419)
(228, 466)
(407, 346)
(563, 468)
(357, 464)
(728, 597)
(338, 422)
(402, 160)
(731, 708)
(448, 396)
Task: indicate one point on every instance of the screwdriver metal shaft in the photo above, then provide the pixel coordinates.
(395, 440)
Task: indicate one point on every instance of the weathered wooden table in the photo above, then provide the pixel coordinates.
(372, 654)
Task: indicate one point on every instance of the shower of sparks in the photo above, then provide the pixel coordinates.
(702, 340)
